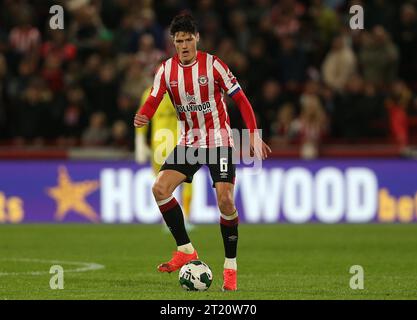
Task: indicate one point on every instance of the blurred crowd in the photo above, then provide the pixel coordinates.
(310, 78)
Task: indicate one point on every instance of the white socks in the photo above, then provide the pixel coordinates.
(231, 217)
(186, 248)
(230, 263)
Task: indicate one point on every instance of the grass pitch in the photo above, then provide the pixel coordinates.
(275, 261)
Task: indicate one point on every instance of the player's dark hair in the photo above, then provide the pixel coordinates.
(183, 22)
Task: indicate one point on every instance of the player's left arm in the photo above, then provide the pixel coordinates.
(229, 83)
(258, 146)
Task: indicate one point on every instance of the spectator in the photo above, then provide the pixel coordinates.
(285, 18)
(345, 121)
(97, 134)
(280, 128)
(292, 61)
(148, 55)
(148, 25)
(373, 113)
(31, 115)
(397, 104)
(378, 57)
(406, 38)
(258, 60)
(18, 83)
(325, 21)
(259, 12)
(339, 65)
(356, 109)
(211, 32)
(112, 12)
(105, 42)
(120, 138)
(104, 90)
(52, 73)
(267, 105)
(126, 110)
(239, 29)
(126, 35)
(265, 32)
(89, 75)
(25, 39)
(310, 127)
(227, 49)
(85, 27)
(59, 47)
(75, 116)
(206, 8)
(135, 81)
(241, 69)
(106, 56)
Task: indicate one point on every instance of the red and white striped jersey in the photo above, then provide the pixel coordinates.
(196, 91)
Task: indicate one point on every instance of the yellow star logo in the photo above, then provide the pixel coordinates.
(71, 196)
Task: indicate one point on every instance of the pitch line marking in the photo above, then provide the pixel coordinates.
(83, 266)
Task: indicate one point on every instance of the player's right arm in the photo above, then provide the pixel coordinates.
(148, 109)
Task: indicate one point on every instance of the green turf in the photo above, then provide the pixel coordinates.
(275, 261)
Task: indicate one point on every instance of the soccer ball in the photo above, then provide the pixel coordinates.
(195, 276)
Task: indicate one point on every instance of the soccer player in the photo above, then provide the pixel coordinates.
(162, 144)
(196, 82)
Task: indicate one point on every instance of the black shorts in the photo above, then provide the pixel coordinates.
(188, 160)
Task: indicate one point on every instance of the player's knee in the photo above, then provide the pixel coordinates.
(226, 204)
(160, 191)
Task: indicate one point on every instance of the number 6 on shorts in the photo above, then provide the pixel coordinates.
(223, 164)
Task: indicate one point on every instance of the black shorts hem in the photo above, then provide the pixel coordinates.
(224, 170)
(227, 181)
(185, 171)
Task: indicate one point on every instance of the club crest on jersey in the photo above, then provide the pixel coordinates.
(173, 84)
(190, 98)
(203, 80)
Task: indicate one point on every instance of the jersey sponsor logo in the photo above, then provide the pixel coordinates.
(203, 80)
(190, 98)
(205, 107)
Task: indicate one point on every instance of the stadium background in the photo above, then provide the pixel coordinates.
(338, 107)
